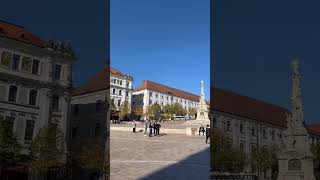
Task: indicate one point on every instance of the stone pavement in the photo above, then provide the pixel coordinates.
(165, 157)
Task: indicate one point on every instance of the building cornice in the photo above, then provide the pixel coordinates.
(33, 83)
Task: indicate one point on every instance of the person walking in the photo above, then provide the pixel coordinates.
(134, 126)
(150, 129)
(146, 125)
(201, 129)
(155, 125)
(207, 133)
(158, 129)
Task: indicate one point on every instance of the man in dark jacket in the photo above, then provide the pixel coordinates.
(158, 128)
(207, 133)
(150, 129)
(155, 125)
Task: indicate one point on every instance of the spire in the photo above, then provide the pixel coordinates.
(296, 99)
(202, 89)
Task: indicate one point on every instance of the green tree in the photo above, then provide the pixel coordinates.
(167, 111)
(227, 157)
(91, 157)
(315, 149)
(138, 111)
(265, 158)
(113, 107)
(155, 111)
(124, 109)
(178, 109)
(9, 147)
(192, 112)
(47, 149)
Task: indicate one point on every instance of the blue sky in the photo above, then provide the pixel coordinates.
(81, 22)
(254, 42)
(164, 41)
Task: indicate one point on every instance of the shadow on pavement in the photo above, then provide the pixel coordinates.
(196, 166)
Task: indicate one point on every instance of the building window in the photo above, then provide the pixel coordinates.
(241, 129)
(6, 59)
(15, 62)
(9, 122)
(35, 66)
(26, 64)
(29, 130)
(280, 135)
(127, 84)
(156, 95)
(228, 126)
(119, 103)
(97, 130)
(253, 131)
(74, 132)
(241, 146)
(120, 82)
(57, 72)
(120, 92)
(76, 109)
(273, 135)
(127, 93)
(229, 141)
(13, 93)
(264, 133)
(99, 106)
(55, 102)
(253, 147)
(33, 97)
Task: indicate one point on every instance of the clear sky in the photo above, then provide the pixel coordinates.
(166, 41)
(81, 22)
(254, 42)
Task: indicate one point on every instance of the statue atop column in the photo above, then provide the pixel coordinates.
(202, 111)
(202, 88)
(296, 99)
(296, 159)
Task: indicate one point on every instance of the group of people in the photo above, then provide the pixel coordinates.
(205, 131)
(153, 126)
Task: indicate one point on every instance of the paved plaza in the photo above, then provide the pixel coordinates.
(164, 157)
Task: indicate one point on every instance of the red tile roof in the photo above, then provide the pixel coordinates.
(116, 72)
(19, 33)
(99, 82)
(146, 84)
(314, 129)
(239, 105)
